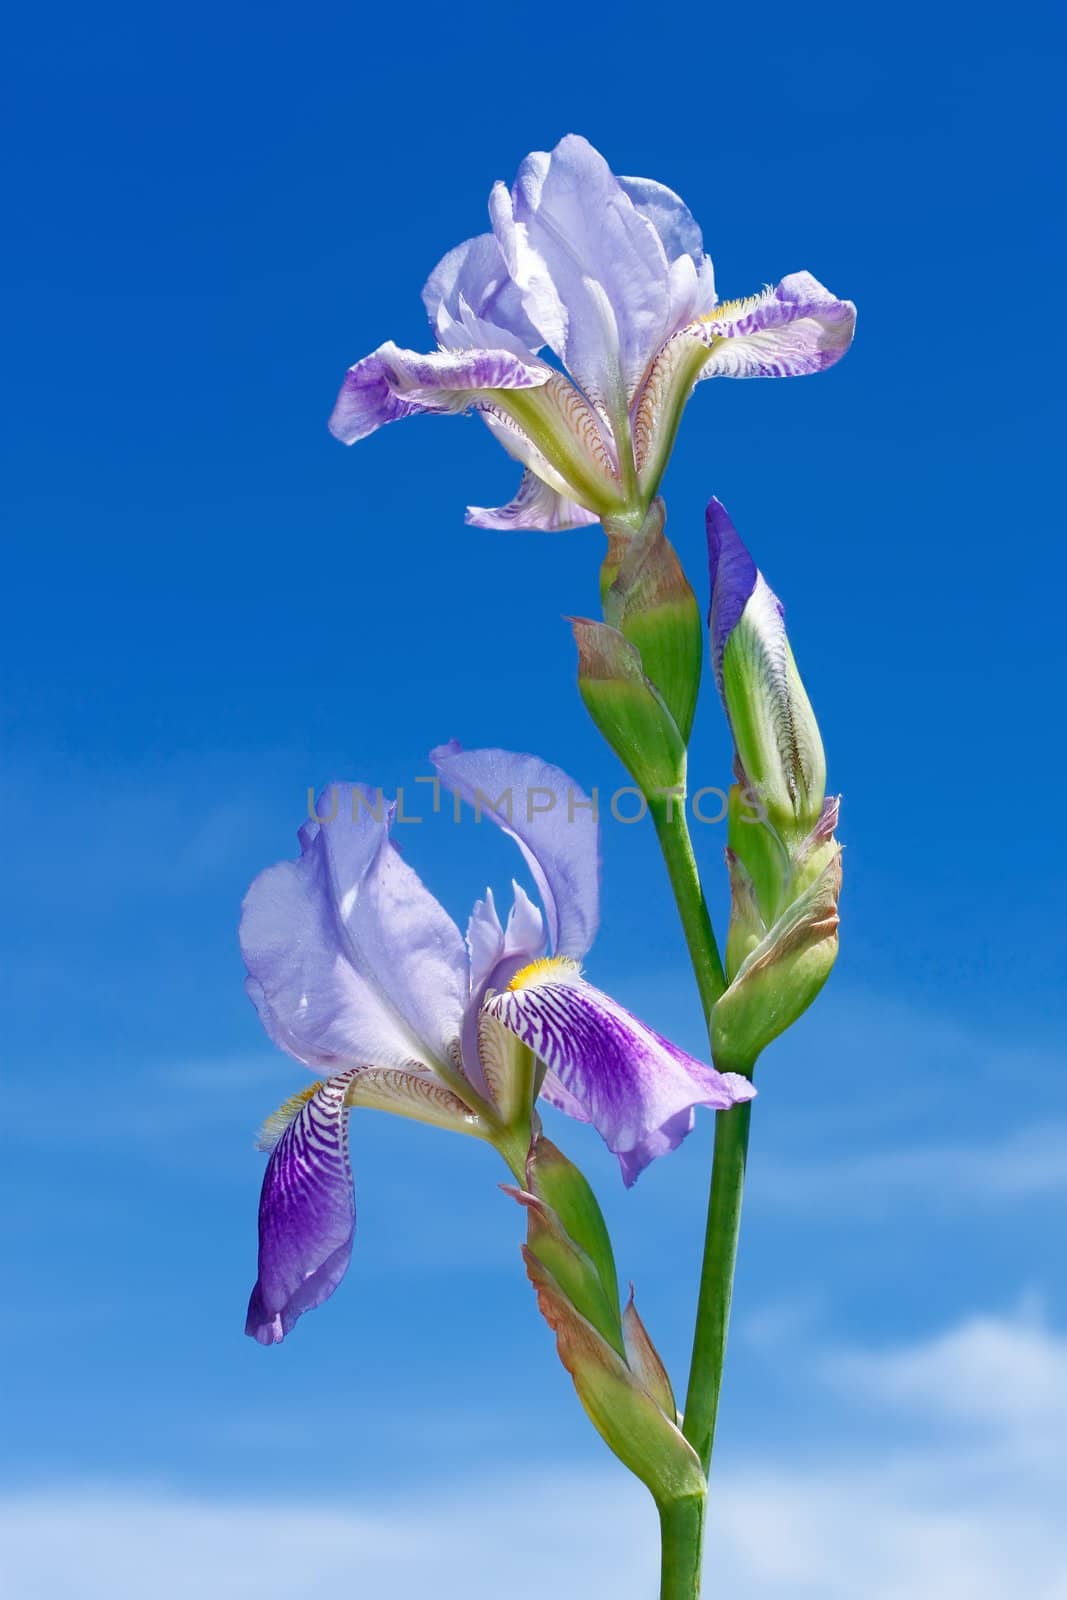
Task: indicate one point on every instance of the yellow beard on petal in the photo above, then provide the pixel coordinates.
(545, 970)
(731, 310)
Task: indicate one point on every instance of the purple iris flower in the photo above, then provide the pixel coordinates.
(609, 275)
(358, 972)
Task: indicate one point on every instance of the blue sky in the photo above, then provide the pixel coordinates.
(208, 605)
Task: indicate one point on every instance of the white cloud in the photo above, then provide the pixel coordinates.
(523, 1540)
(974, 1515)
(1026, 1163)
(919, 1529)
(1004, 1374)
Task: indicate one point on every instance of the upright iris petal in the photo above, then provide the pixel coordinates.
(592, 267)
(608, 274)
(552, 821)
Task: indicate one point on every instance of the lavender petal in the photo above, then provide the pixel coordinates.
(552, 822)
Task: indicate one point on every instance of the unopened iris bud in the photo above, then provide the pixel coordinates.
(648, 598)
(629, 710)
(620, 1378)
(784, 862)
(558, 1183)
(780, 974)
(775, 733)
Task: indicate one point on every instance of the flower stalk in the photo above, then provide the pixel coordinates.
(682, 1547)
(577, 329)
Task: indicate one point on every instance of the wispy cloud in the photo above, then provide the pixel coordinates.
(945, 1521)
(1025, 1163)
(1003, 1375)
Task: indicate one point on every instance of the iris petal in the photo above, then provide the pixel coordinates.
(552, 822)
(350, 958)
(786, 332)
(535, 506)
(301, 978)
(471, 286)
(391, 384)
(307, 1214)
(402, 938)
(637, 1088)
(576, 245)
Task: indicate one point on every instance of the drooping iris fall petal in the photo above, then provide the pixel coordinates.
(637, 1089)
(307, 1210)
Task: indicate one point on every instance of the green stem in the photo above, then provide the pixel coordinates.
(682, 1530)
(731, 1146)
(673, 833)
(716, 1280)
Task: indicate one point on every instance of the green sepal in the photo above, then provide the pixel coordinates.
(625, 1415)
(645, 1361)
(648, 598)
(559, 1184)
(629, 711)
(574, 1271)
(781, 975)
(758, 860)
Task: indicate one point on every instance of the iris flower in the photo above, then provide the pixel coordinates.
(358, 972)
(608, 276)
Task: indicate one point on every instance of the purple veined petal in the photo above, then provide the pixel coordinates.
(307, 1210)
(471, 287)
(733, 579)
(797, 328)
(545, 499)
(418, 1096)
(557, 435)
(398, 935)
(536, 506)
(553, 823)
(553, 1091)
(311, 999)
(591, 267)
(636, 1088)
(392, 383)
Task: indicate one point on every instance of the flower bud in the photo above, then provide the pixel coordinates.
(558, 1183)
(775, 733)
(779, 976)
(616, 1369)
(784, 863)
(629, 1420)
(648, 598)
(629, 711)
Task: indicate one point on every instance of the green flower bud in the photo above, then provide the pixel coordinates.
(779, 975)
(629, 711)
(647, 597)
